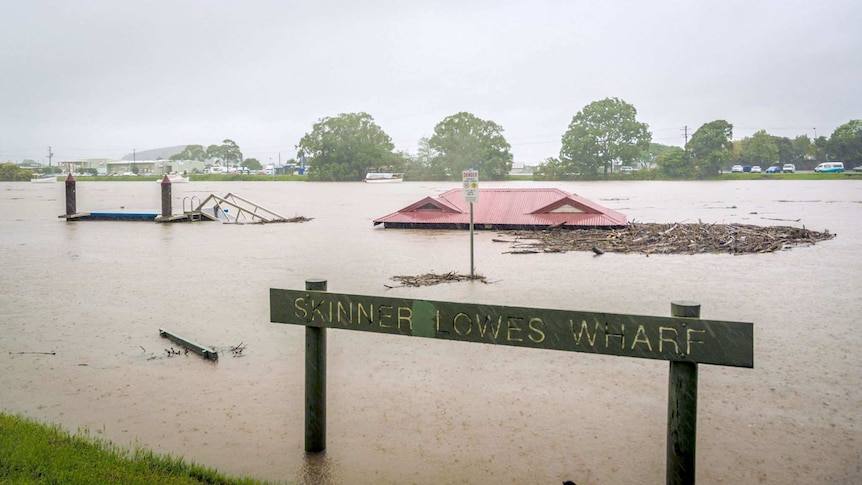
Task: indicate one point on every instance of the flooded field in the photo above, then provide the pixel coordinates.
(81, 304)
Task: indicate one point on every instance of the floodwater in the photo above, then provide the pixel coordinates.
(413, 410)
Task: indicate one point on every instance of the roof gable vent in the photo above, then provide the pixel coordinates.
(566, 208)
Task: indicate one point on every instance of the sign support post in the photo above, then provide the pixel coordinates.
(682, 409)
(315, 380)
(472, 265)
(470, 180)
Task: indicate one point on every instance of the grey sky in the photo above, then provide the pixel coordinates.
(98, 78)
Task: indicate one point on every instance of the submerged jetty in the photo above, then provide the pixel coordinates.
(671, 238)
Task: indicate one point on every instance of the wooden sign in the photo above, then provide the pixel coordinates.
(649, 337)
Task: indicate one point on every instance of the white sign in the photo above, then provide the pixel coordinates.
(470, 180)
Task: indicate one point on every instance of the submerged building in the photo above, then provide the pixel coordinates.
(504, 209)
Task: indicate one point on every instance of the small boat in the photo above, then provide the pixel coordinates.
(175, 178)
(383, 177)
(44, 179)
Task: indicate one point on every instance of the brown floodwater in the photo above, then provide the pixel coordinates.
(413, 410)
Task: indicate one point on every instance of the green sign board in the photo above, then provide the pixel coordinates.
(649, 337)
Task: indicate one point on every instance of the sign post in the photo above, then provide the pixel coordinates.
(470, 181)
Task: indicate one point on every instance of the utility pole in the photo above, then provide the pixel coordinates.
(134, 160)
(50, 156)
(685, 130)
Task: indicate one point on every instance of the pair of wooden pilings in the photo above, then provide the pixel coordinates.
(681, 406)
(71, 196)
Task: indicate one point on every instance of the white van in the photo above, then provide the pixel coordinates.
(826, 167)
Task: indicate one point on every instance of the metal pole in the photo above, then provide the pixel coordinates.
(682, 409)
(472, 266)
(315, 380)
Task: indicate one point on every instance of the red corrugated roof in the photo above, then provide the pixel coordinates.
(505, 208)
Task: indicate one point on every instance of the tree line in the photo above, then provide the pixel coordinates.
(605, 134)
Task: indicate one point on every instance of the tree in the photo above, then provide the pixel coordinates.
(228, 152)
(346, 146)
(421, 166)
(785, 149)
(647, 158)
(463, 141)
(553, 169)
(676, 163)
(760, 149)
(845, 144)
(191, 152)
(10, 172)
(711, 147)
(603, 132)
(252, 164)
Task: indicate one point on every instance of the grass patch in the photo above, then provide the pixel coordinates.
(34, 453)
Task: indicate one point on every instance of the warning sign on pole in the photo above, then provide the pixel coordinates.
(470, 179)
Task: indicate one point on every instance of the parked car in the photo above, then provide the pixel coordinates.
(756, 169)
(736, 169)
(746, 168)
(826, 167)
(626, 169)
(788, 168)
(773, 169)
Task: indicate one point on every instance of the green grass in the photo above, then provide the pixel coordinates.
(32, 453)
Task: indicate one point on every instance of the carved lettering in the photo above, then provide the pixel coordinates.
(299, 304)
(513, 326)
(609, 334)
(641, 338)
(405, 314)
(662, 339)
(367, 312)
(461, 316)
(488, 321)
(536, 334)
(578, 335)
(689, 340)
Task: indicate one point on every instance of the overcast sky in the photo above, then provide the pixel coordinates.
(99, 78)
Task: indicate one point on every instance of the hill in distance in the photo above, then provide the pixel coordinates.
(154, 153)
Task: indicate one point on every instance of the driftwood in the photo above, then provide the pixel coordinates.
(429, 279)
(666, 239)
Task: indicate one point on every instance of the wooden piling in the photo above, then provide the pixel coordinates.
(167, 210)
(71, 196)
(682, 410)
(315, 380)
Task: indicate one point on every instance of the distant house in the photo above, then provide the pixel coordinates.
(504, 209)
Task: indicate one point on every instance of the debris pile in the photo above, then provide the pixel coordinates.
(429, 279)
(649, 238)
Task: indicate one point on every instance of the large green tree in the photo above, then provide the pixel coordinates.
(845, 144)
(603, 132)
(252, 164)
(191, 152)
(422, 165)
(676, 163)
(228, 152)
(10, 172)
(463, 141)
(760, 149)
(346, 147)
(710, 147)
